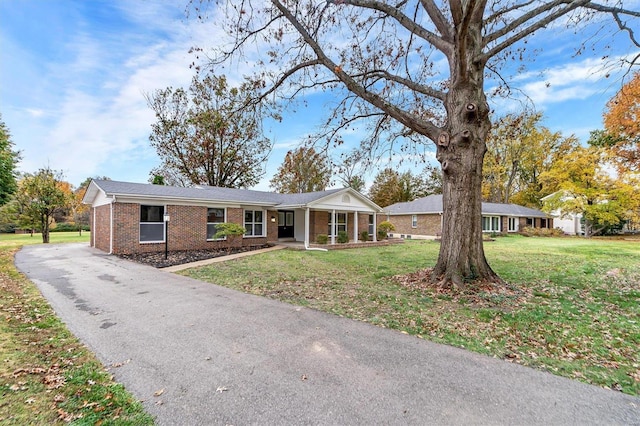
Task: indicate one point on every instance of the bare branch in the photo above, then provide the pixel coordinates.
(532, 28)
(438, 19)
(421, 126)
(413, 27)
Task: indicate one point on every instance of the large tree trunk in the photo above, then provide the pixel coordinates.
(460, 150)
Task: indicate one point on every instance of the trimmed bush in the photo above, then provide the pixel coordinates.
(343, 237)
(322, 239)
(384, 228)
(364, 236)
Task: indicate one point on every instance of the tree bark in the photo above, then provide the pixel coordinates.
(460, 151)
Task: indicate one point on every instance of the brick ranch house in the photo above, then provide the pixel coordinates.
(422, 218)
(129, 217)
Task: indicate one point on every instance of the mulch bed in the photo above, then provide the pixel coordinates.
(187, 256)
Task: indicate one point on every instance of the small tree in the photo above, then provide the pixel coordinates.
(384, 228)
(42, 194)
(229, 229)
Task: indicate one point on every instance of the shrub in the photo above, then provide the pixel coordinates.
(229, 229)
(343, 237)
(364, 236)
(384, 228)
(68, 227)
(322, 239)
(528, 231)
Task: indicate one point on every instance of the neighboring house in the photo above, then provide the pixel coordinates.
(129, 217)
(569, 223)
(422, 218)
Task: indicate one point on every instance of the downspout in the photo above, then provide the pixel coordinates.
(113, 200)
(306, 233)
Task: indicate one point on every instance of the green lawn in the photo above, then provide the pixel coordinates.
(47, 376)
(572, 306)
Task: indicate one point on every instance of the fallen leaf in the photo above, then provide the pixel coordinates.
(221, 389)
(158, 392)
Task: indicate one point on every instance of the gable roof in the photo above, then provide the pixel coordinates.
(212, 194)
(433, 204)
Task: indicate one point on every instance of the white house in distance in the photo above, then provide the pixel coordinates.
(569, 223)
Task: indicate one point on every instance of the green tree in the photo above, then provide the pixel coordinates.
(209, 135)
(41, 195)
(8, 161)
(303, 170)
(386, 60)
(578, 185)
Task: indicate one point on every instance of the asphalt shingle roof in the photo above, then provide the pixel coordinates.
(433, 204)
(210, 193)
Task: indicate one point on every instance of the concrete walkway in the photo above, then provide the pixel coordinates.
(222, 357)
(205, 262)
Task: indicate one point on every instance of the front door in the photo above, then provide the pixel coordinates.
(285, 224)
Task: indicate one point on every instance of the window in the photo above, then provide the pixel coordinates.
(513, 224)
(414, 221)
(214, 217)
(341, 223)
(371, 226)
(531, 222)
(543, 223)
(490, 223)
(254, 223)
(151, 224)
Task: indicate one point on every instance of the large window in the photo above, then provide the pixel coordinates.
(341, 223)
(151, 224)
(490, 223)
(254, 223)
(214, 218)
(414, 221)
(513, 224)
(371, 226)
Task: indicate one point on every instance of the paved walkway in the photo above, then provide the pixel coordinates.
(224, 357)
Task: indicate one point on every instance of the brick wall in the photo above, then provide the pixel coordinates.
(187, 230)
(428, 224)
(100, 234)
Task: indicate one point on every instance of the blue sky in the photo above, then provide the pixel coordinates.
(73, 75)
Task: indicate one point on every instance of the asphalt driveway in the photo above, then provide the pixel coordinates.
(228, 358)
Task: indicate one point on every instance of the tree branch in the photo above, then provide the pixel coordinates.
(409, 120)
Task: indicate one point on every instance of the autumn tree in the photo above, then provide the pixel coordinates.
(390, 187)
(579, 185)
(519, 150)
(208, 134)
(8, 162)
(388, 57)
(621, 136)
(41, 195)
(303, 170)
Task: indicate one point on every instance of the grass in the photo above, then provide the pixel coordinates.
(47, 376)
(571, 307)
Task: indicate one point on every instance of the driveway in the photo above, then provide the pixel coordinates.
(228, 358)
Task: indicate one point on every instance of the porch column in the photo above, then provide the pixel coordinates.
(306, 227)
(355, 226)
(333, 226)
(375, 227)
